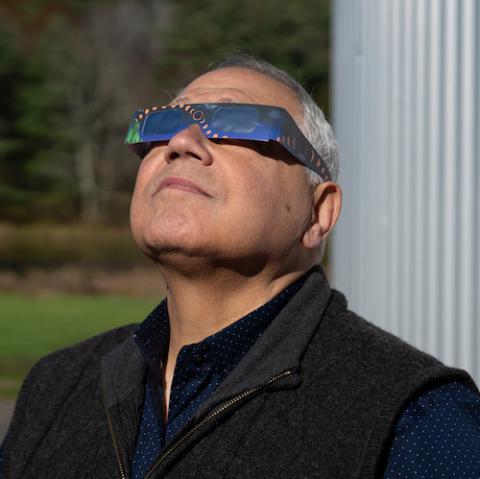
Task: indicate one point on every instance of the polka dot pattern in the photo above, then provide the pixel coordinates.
(150, 438)
(438, 436)
(200, 368)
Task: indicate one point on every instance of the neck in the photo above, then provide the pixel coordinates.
(201, 305)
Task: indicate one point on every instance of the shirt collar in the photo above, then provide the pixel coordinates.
(153, 334)
(225, 348)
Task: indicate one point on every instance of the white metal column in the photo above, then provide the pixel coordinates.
(406, 77)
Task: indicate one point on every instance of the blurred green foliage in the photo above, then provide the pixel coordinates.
(50, 245)
(292, 35)
(71, 73)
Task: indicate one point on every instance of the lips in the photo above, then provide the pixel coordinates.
(183, 184)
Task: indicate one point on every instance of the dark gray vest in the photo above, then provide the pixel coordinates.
(316, 397)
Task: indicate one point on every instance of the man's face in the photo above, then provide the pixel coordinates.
(222, 201)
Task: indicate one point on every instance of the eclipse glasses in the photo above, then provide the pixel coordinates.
(234, 121)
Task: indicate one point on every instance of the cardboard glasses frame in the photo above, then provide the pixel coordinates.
(235, 121)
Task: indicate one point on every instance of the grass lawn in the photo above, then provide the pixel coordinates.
(31, 327)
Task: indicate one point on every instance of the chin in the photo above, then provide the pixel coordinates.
(176, 243)
(165, 230)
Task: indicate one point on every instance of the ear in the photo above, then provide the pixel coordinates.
(326, 206)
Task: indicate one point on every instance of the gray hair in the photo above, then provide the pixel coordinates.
(314, 126)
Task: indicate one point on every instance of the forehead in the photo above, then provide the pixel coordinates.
(239, 85)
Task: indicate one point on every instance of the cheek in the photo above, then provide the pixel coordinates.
(137, 215)
(257, 202)
(139, 203)
(277, 194)
(146, 171)
(255, 192)
(283, 205)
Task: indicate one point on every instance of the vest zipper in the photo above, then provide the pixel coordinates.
(223, 407)
(115, 446)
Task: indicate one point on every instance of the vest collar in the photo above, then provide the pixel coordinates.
(281, 347)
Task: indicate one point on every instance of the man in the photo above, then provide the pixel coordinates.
(252, 366)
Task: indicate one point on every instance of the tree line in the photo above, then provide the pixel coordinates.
(72, 72)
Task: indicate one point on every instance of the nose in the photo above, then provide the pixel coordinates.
(189, 143)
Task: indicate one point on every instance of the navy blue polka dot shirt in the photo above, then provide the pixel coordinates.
(437, 435)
